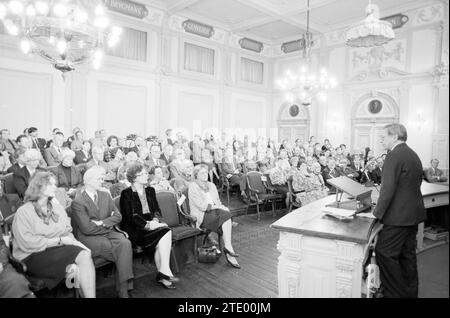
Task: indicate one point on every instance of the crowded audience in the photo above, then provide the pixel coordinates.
(84, 175)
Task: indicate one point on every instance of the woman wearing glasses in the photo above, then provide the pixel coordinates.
(141, 217)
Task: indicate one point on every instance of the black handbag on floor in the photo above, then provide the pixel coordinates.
(208, 254)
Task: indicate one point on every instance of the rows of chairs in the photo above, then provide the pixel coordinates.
(175, 215)
(260, 190)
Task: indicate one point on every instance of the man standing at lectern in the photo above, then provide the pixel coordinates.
(400, 209)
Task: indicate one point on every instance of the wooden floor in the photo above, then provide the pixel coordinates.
(252, 239)
(256, 243)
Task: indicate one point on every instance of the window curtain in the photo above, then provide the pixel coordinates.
(132, 45)
(252, 71)
(198, 59)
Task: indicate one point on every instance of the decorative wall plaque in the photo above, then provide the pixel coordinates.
(127, 7)
(198, 28)
(397, 20)
(375, 106)
(292, 46)
(294, 110)
(251, 45)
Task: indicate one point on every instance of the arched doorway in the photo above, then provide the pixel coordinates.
(370, 114)
(293, 122)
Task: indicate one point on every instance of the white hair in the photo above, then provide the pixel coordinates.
(32, 154)
(93, 173)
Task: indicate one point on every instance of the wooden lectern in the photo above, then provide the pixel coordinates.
(361, 196)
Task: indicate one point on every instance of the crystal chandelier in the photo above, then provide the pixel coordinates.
(64, 32)
(371, 31)
(306, 85)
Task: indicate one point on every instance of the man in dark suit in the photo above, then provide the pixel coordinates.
(400, 209)
(434, 174)
(330, 172)
(21, 177)
(37, 143)
(83, 155)
(95, 218)
(53, 153)
(19, 158)
(155, 160)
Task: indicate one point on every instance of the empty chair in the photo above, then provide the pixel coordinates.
(259, 194)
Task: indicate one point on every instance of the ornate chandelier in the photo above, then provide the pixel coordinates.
(64, 32)
(306, 85)
(371, 31)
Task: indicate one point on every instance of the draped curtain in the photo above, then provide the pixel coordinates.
(132, 45)
(252, 71)
(198, 59)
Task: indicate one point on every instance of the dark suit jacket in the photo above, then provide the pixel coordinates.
(432, 175)
(81, 158)
(84, 211)
(374, 176)
(75, 176)
(13, 168)
(133, 220)
(401, 202)
(326, 174)
(21, 180)
(41, 143)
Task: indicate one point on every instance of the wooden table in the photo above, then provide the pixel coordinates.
(322, 256)
(434, 195)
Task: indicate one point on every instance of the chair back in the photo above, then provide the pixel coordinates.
(9, 183)
(167, 202)
(9, 203)
(255, 182)
(185, 206)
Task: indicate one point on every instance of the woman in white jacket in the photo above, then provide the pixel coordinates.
(211, 214)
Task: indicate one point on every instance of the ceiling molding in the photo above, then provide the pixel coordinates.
(286, 16)
(383, 13)
(180, 5)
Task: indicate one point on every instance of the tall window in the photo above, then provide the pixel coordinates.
(198, 59)
(132, 45)
(252, 71)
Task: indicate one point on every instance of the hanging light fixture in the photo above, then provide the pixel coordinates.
(371, 31)
(64, 32)
(306, 85)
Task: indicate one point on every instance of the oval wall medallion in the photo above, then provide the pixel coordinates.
(375, 106)
(294, 110)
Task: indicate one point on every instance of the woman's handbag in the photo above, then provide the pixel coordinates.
(208, 254)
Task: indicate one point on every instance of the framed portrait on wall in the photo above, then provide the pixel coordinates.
(294, 110)
(375, 106)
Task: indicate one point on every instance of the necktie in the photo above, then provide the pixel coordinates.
(96, 200)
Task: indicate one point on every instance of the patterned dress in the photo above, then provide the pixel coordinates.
(313, 185)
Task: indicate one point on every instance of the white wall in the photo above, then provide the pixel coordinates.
(402, 72)
(147, 98)
(125, 96)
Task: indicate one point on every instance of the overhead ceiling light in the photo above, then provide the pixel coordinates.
(371, 31)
